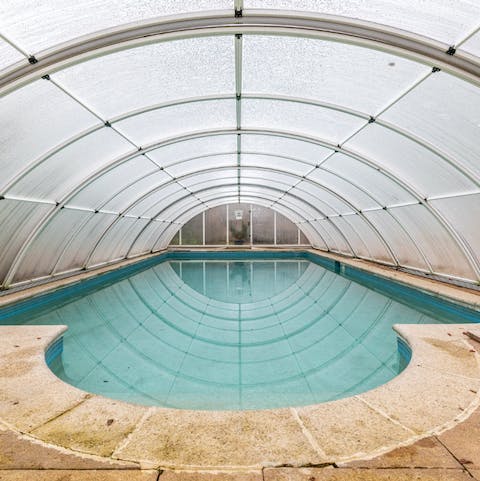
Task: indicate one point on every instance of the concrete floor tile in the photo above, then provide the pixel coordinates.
(426, 453)
(349, 427)
(96, 426)
(341, 474)
(219, 439)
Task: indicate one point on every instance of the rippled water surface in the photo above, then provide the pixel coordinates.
(228, 334)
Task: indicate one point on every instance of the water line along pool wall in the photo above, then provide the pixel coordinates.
(232, 330)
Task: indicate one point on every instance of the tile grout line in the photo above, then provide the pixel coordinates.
(385, 415)
(312, 441)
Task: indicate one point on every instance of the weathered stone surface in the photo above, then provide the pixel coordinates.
(225, 439)
(96, 426)
(349, 427)
(211, 476)
(85, 475)
(425, 453)
(464, 441)
(418, 398)
(20, 452)
(346, 474)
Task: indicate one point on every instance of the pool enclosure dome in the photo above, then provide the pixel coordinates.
(121, 121)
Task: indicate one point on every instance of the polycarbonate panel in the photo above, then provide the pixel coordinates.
(323, 70)
(192, 231)
(336, 242)
(211, 178)
(472, 45)
(307, 120)
(445, 111)
(429, 173)
(216, 225)
(441, 250)
(263, 230)
(33, 120)
(175, 240)
(41, 25)
(149, 237)
(275, 162)
(171, 122)
(348, 190)
(179, 209)
(17, 219)
(354, 238)
(439, 19)
(151, 74)
(116, 181)
(187, 149)
(380, 186)
(288, 147)
(116, 242)
(198, 164)
(406, 251)
(42, 255)
(83, 241)
(373, 240)
(464, 215)
(63, 172)
(303, 238)
(331, 203)
(164, 238)
(252, 182)
(287, 231)
(9, 55)
(132, 193)
(158, 199)
(269, 176)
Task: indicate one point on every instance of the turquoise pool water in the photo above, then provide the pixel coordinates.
(232, 332)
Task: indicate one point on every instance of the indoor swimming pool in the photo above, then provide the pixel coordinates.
(232, 331)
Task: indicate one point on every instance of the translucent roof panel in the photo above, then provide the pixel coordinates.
(445, 111)
(170, 122)
(9, 55)
(430, 173)
(199, 163)
(152, 74)
(59, 116)
(323, 71)
(439, 19)
(288, 147)
(44, 24)
(191, 148)
(309, 120)
(280, 163)
(472, 45)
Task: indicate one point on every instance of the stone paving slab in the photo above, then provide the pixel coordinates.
(22, 452)
(426, 453)
(96, 426)
(461, 441)
(345, 474)
(86, 475)
(170, 438)
(349, 427)
(211, 476)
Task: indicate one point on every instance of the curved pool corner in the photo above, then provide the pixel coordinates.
(438, 389)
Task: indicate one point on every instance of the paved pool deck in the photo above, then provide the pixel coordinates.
(424, 424)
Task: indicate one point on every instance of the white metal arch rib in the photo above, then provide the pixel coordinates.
(311, 24)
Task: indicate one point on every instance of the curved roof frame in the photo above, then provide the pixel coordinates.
(362, 33)
(362, 158)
